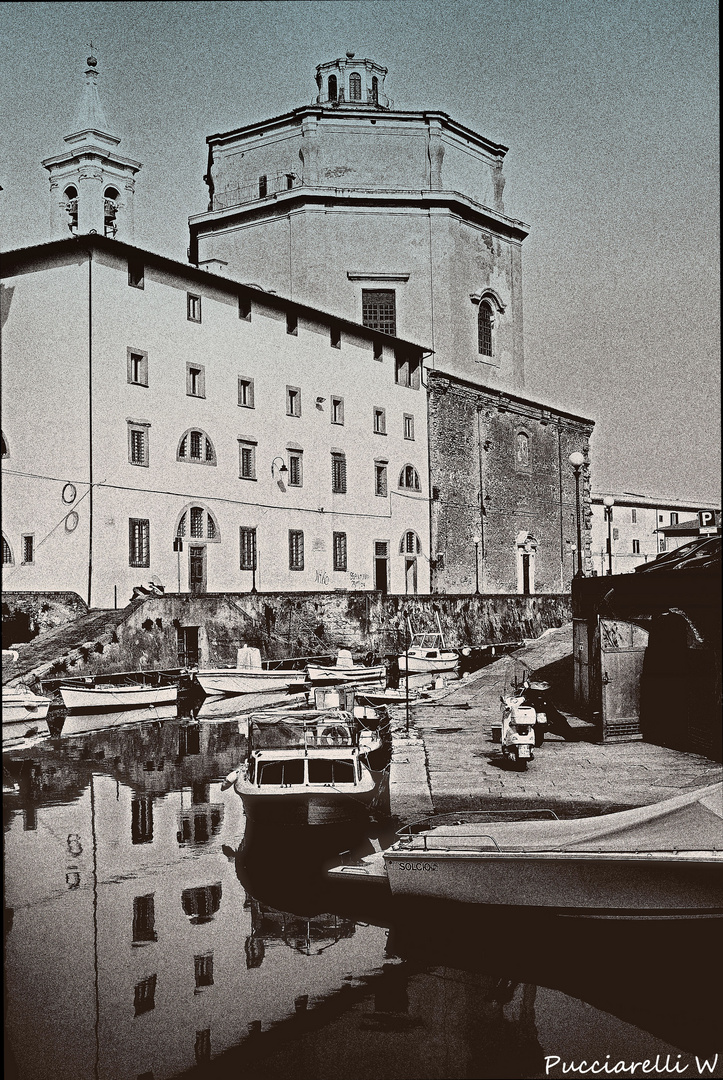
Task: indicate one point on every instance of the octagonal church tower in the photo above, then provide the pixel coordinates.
(389, 217)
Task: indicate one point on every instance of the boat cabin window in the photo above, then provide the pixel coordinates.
(282, 773)
(331, 772)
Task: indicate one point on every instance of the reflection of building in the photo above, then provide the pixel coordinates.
(642, 528)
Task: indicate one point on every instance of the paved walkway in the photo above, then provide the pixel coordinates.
(449, 762)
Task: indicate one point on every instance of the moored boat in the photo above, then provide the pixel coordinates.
(427, 652)
(345, 670)
(106, 696)
(655, 862)
(23, 713)
(250, 676)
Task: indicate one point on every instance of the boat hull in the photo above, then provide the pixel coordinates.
(413, 663)
(332, 673)
(81, 723)
(19, 709)
(228, 681)
(101, 699)
(590, 885)
(308, 807)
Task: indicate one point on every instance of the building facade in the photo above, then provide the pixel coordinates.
(639, 528)
(383, 216)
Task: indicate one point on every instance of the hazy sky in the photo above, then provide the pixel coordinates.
(610, 111)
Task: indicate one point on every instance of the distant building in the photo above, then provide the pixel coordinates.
(642, 527)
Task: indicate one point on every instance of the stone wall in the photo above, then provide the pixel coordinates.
(27, 614)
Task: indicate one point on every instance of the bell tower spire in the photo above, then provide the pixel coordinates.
(91, 184)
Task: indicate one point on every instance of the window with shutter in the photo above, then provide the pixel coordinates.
(338, 473)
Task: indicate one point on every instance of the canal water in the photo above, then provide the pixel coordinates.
(150, 934)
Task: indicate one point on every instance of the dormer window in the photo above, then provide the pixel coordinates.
(71, 206)
(332, 88)
(111, 209)
(355, 86)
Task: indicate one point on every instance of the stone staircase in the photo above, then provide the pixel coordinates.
(55, 651)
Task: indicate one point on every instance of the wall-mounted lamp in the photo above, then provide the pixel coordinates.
(279, 471)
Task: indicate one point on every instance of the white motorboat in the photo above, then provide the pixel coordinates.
(307, 767)
(427, 652)
(81, 723)
(107, 696)
(656, 862)
(250, 676)
(345, 670)
(23, 713)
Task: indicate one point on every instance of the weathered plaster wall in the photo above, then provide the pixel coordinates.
(38, 611)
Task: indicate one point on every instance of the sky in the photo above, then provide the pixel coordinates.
(610, 112)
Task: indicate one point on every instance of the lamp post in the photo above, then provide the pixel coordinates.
(476, 542)
(577, 461)
(608, 503)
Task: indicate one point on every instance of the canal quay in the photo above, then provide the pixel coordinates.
(152, 932)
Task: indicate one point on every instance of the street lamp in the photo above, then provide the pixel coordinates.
(577, 460)
(476, 541)
(608, 503)
(281, 470)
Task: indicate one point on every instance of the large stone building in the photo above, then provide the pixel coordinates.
(328, 396)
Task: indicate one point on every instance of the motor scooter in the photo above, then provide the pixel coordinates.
(536, 695)
(518, 730)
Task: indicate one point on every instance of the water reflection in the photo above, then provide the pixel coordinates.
(148, 932)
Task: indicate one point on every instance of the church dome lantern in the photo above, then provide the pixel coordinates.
(351, 83)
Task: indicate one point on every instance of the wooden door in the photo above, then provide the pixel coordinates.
(622, 650)
(197, 569)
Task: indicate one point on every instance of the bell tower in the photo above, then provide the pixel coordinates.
(91, 185)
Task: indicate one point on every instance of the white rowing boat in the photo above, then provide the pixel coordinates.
(106, 696)
(250, 676)
(345, 670)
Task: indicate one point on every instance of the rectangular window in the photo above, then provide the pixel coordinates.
(292, 323)
(662, 545)
(196, 523)
(337, 410)
(296, 549)
(339, 551)
(380, 421)
(136, 275)
(338, 473)
(195, 380)
(137, 367)
(263, 187)
(139, 542)
(634, 517)
(245, 392)
(247, 546)
(196, 441)
(636, 547)
(138, 443)
(296, 470)
(28, 548)
(378, 350)
(244, 308)
(335, 336)
(293, 401)
(673, 518)
(379, 310)
(247, 460)
(145, 995)
(193, 307)
(409, 427)
(144, 919)
(406, 370)
(380, 478)
(203, 970)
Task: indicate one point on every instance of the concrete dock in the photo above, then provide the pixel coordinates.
(447, 760)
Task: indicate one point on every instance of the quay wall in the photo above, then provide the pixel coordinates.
(153, 631)
(27, 614)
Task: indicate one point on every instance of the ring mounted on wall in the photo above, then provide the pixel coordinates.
(71, 522)
(69, 493)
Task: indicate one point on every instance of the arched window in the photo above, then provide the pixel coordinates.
(485, 322)
(409, 479)
(8, 559)
(332, 88)
(522, 450)
(196, 446)
(198, 524)
(375, 89)
(71, 205)
(111, 210)
(4, 444)
(355, 87)
(410, 544)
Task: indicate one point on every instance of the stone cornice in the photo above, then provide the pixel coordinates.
(501, 401)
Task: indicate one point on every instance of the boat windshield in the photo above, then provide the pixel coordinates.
(285, 733)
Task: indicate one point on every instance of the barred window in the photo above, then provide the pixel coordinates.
(296, 474)
(355, 86)
(485, 323)
(339, 551)
(247, 460)
(195, 446)
(409, 479)
(197, 523)
(7, 553)
(139, 542)
(380, 478)
(338, 473)
(410, 544)
(247, 546)
(28, 548)
(138, 446)
(379, 310)
(296, 549)
(203, 525)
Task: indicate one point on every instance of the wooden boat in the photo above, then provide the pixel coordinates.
(428, 652)
(23, 713)
(101, 698)
(656, 862)
(306, 767)
(81, 723)
(250, 676)
(345, 670)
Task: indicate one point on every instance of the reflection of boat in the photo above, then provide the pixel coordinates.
(345, 670)
(309, 766)
(250, 676)
(23, 713)
(428, 652)
(108, 696)
(78, 723)
(660, 861)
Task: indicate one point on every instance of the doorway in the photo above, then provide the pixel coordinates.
(381, 565)
(188, 655)
(526, 574)
(410, 576)
(197, 569)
